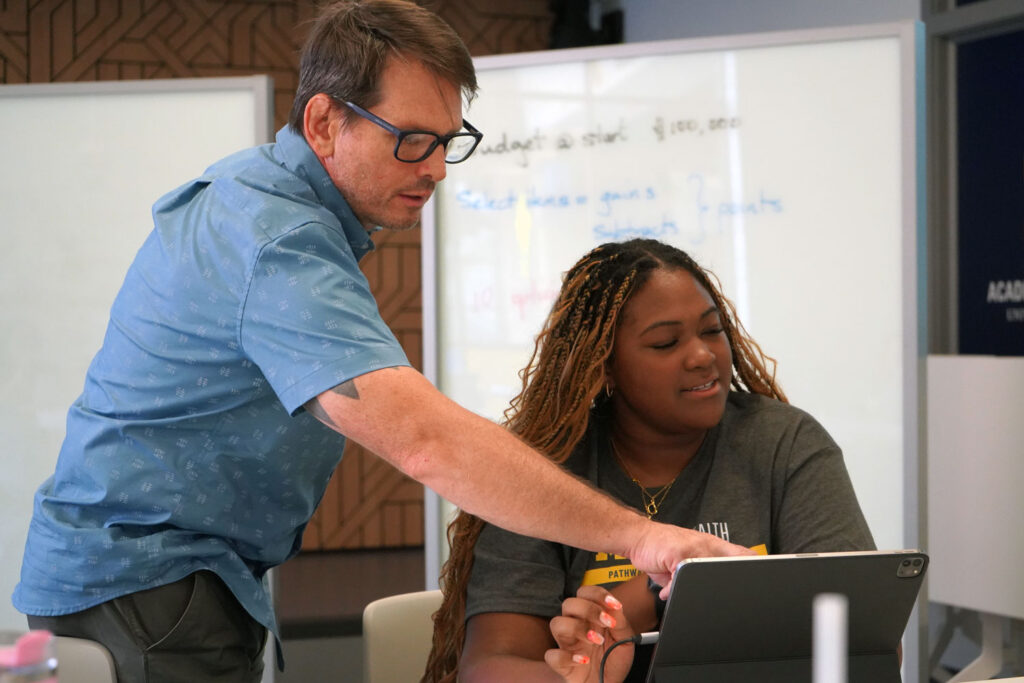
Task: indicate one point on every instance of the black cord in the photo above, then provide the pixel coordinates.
(646, 638)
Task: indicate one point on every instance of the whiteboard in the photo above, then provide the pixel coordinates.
(787, 163)
(975, 477)
(82, 165)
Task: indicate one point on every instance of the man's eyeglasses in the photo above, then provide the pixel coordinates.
(413, 146)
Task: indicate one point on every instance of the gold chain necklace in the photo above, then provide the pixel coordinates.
(649, 501)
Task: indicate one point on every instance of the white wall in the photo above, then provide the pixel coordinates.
(667, 19)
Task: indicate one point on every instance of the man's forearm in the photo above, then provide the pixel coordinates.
(479, 466)
(498, 478)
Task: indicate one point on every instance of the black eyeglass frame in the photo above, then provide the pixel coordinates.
(441, 140)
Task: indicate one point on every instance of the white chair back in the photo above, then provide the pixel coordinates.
(83, 661)
(397, 634)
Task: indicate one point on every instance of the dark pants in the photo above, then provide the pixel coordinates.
(190, 631)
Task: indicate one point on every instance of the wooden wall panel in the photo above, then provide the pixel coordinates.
(368, 504)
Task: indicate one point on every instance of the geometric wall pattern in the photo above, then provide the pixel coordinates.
(368, 504)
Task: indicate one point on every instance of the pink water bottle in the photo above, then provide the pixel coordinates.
(30, 660)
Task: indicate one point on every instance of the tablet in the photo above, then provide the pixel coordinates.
(750, 618)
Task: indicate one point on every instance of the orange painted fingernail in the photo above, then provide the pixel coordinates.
(607, 620)
(581, 659)
(612, 602)
(595, 637)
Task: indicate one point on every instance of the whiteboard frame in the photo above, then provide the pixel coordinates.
(910, 36)
(261, 87)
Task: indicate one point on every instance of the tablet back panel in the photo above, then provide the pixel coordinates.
(734, 618)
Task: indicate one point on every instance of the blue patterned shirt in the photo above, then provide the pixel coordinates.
(188, 448)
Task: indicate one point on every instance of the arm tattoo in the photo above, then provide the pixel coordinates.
(317, 411)
(347, 389)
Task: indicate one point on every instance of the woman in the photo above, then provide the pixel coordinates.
(643, 382)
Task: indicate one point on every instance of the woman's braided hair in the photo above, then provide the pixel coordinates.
(563, 382)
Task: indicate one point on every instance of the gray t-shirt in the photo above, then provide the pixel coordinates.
(768, 474)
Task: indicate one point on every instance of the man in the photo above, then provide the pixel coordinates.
(245, 342)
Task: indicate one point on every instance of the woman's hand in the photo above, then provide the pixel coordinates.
(590, 623)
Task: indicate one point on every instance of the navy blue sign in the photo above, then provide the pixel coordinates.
(990, 127)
